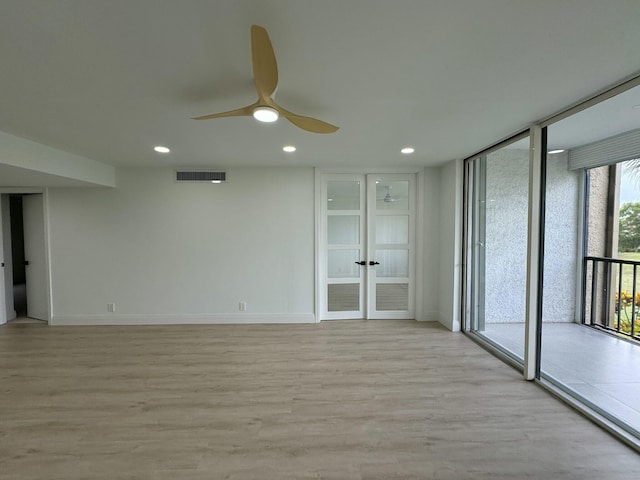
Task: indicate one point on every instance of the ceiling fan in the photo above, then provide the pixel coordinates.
(388, 198)
(265, 73)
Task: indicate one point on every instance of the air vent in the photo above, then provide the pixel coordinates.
(201, 176)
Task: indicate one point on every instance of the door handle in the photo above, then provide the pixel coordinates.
(362, 263)
(26, 262)
(374, 263)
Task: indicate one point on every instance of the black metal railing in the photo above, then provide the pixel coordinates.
(611, 295)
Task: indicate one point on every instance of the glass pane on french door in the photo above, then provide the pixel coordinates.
(343, 297)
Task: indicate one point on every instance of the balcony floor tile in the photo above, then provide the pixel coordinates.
(600, 367)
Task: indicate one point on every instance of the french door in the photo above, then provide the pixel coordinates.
(367, 246)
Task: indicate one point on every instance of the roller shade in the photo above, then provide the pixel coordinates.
(618, 148)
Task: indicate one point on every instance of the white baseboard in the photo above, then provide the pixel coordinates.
(186, 319)
(446, 321)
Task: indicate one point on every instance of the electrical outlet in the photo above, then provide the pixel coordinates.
(242, 306)
(111, 307)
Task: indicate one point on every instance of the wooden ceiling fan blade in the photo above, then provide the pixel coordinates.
(240, 112)
(265, 66)
(265, 72)
(309, 124)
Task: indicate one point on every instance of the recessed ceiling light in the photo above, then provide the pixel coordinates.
(551, 152)
(407, 150)
(161, 149)
(289, 148)
(216, 181)
(265, 114)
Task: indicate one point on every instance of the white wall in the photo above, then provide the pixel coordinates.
(431, 245)
(185, 253)
(449, 248)
(188, 253)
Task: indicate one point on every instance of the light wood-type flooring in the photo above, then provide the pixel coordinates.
(339, 400)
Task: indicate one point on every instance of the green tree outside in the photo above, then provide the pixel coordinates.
(629, 227)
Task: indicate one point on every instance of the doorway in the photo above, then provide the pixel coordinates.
(367, 246)
(24, 258)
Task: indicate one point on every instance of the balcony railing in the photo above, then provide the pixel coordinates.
(611, 295)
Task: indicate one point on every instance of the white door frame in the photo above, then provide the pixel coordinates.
(419, 230)
(47, 243)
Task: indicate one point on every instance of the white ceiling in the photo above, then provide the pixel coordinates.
(109, 79)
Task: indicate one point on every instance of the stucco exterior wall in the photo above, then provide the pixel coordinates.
(561, 241)
(506, 238)
(507, 184)
(597, 235)
(597, 218)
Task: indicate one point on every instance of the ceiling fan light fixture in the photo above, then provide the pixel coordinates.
(388, 198)
(265, 114)
(265, 75)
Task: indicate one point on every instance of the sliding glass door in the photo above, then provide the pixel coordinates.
(590, 339)
(552, 262)
(497, 210)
